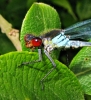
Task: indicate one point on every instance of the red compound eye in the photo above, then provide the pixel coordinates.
(36, 42)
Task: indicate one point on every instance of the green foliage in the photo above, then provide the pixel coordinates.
(81, 66)
(84, 9)
(65, 4)
(14, 11)
(23, 83)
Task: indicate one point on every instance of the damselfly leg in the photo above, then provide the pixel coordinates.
(29, 62)
(39, 60)
(54, 66)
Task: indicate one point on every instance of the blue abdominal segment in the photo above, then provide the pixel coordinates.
(60, 40)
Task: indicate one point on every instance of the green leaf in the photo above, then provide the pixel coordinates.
(23, 83)
(81, 66)
(66, 5)
(84, 9)
(40, 19)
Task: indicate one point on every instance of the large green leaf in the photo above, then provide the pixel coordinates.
(40, 19)
(81, 66)
(23, 83)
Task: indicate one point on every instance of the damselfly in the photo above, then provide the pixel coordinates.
(59, 38)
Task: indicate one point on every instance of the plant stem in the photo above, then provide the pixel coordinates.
(11, 33)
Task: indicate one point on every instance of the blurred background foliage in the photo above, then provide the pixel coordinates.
(70, 12)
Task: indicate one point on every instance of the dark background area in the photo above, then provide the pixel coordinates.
(70, 12)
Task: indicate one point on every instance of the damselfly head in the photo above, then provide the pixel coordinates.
(32, 41)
